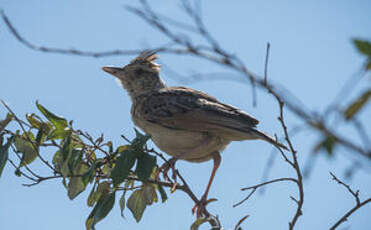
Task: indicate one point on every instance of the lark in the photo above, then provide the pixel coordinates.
(185, 123)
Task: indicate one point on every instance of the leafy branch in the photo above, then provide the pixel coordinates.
(79, 160)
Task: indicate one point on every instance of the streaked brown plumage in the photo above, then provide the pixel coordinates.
(185, 123)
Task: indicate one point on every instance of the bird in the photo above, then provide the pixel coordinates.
(185, 123)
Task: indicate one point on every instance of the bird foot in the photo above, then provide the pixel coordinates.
(200, 207)
(164, 169)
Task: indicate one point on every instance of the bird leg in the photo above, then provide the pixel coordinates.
(171, 163)
(199, 208)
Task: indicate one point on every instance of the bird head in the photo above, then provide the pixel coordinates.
(140, 76)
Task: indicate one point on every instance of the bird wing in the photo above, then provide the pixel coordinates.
(189, 109)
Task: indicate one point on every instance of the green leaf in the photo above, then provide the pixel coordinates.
(137, 204)
(328, 144)
(58, 160)
(29, 153)
(89, 222)
(162, 193)
(122, 203)
(89, 175)
(91, 198)
(357, 105)
(71, 157)
(77, 184)
(102, 189)
(110, 147)
(122, 148)
(145, 165)
(58, 134)
(74, 161)
(6, 121)
(4, 153)
(198, 223)
(58, 122)
(122, 168)
(35, 122)
(107, 169)
(363, 46)
(66, 155)
(101, 210)
(149, 194)
(97, 192)
(140, 140)
(105, 205)
(40, 137)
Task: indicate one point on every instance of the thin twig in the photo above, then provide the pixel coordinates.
(255, 187)
(354, 194)
(266, 63)
(350, 212)
(20, 159)
(295, 165)
(270, 182)
(22, 173)
(246, 198)
(357, 206)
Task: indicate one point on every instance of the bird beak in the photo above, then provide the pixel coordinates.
(111, 70)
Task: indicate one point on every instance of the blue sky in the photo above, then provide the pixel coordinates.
(311, 55)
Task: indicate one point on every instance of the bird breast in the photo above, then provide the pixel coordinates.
(183, 144)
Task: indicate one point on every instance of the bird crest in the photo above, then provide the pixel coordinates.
(145, 56)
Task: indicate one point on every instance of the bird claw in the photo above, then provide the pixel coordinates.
(200, 207)
(164, 169)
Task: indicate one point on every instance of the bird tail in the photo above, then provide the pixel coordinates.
(266, 137)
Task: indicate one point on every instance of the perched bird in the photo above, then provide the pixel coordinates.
(184, 123)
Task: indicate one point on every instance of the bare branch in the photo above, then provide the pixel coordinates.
(295, 165)
(358, 205)
(266, 63)
(270, 182)
(240, 222)
(255, 187)
(246, 198)
(354, 194)
(350, 212)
